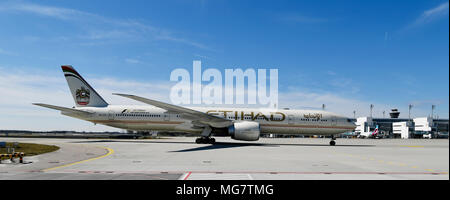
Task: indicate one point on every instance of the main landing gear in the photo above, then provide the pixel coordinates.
(206, 137)
(332, 142)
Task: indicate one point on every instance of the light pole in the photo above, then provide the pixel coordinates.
(409, 117)
(409, 111)
(323, 106)
(437, 125)
(432, 110)
(371, 108)
(354, 114)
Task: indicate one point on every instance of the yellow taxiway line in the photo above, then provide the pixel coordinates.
(110, 151)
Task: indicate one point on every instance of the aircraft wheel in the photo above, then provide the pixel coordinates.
(332, 143)
(205, 140)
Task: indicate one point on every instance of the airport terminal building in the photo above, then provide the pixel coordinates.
(422, 127)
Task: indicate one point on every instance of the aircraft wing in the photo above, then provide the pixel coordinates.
(62, 109)
(186, 113)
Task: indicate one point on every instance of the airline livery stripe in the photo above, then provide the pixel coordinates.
(74, 74)
(68, 69)
(136, 122)
(308, 126)
(77, 77)
(166, 122)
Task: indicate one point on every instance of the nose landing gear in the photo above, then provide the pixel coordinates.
(332, 142)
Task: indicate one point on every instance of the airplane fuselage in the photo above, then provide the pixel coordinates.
(149, 118)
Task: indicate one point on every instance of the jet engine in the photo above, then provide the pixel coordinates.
(247, 131)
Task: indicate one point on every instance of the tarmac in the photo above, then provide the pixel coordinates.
(180, 158)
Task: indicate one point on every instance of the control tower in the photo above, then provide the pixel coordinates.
(394, 113)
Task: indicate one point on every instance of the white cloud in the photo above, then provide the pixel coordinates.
(168, 37)
(99, 27)
(342, 83)
(132, 61)
(296, 98)
(20, 89)
(431, 15)
(4, 52)
(331, 73)
(61, 13)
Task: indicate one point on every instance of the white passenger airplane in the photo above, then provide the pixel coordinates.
(373, 134)
(239, 123)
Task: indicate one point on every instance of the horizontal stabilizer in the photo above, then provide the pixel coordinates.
(62, 109)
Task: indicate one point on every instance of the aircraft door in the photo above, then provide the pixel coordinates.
(291, 119)
(166, 117)
(111, 115)
(333, 121)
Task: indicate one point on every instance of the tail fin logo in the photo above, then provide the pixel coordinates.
(83, 95)
(375, 132)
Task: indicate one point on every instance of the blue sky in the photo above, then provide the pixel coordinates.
(346, 54)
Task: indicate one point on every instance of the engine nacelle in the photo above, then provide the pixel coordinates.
(248, 131)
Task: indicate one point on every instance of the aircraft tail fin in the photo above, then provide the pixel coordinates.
(375, 132)
(83, 94)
